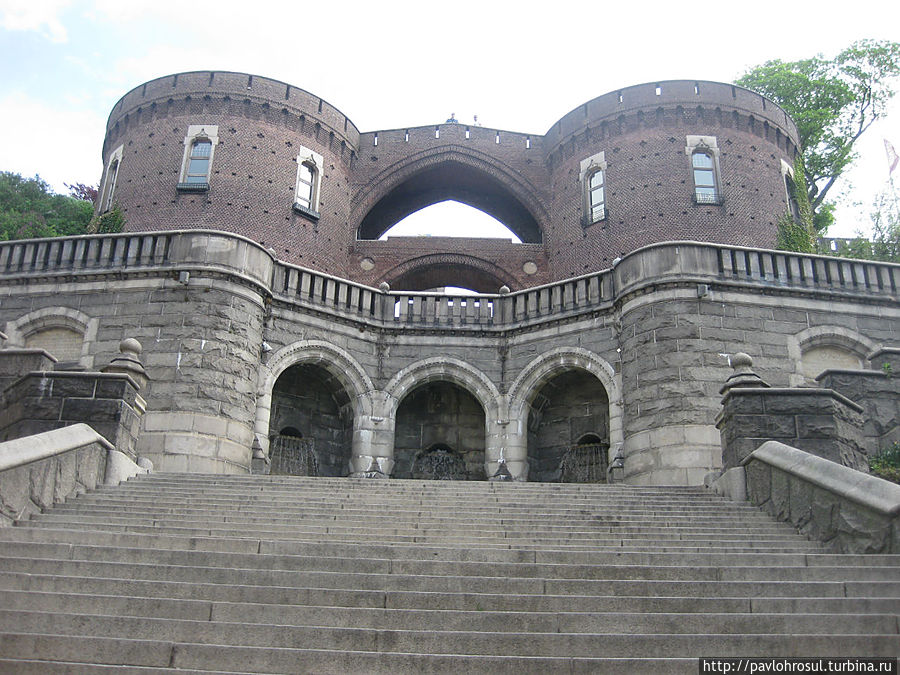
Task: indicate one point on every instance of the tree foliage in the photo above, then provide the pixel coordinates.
(28, 209)
(833, 102)
(884, 244)
(796, 231)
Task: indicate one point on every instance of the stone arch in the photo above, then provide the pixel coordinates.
(440, 269)
(60, 319)
(451, 370)
(450, 172)
(543, 368)
(849, 350)
(333, 359)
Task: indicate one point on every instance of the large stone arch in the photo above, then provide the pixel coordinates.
(557, 361)
(841, 339)
(333, 359)
(55, 318)
(443, 368)
(465, 376)
(449, 172)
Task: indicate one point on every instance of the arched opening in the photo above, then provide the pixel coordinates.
(568, 430)
(451, 180)
(437, 273)
(439, 434)
(310, 424)
(451, 218)
(64, 343)
(818, 358)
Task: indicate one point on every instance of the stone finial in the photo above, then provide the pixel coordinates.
(743, 375)
(504, 290)
(384, 287)
(128, 362)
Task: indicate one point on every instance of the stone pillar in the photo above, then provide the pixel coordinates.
(506, 451)
(372, 453)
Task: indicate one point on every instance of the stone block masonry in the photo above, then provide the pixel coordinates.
(221, 321)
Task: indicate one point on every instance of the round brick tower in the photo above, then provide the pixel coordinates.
(261, 158)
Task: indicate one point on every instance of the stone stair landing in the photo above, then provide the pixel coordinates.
(273, 574)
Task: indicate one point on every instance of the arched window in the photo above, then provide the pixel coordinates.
(109, 184)
(593, 181)
(793, 204)
(309, 181)
(596, 196)
(306, 177)
(196, 168)
(705, 190)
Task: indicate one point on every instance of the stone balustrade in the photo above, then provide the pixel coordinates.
(182, 253)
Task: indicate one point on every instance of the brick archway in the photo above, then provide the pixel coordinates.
(450, 173)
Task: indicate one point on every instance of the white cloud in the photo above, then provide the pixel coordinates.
(42, 16)
(49, 140)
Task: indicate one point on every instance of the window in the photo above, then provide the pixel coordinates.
(593, 180)
(198, 162)
(199, 146)
(704, 178)
(306, 174)
(790, 187)
(704, 155)
(596, 199)
(309, 181)
(109, 183)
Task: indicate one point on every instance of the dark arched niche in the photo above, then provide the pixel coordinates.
(432, 274)
(455, 181)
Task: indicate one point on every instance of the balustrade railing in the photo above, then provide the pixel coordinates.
(202, 249)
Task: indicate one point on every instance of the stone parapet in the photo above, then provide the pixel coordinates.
(819, 421)
(14, 363)
(878, 392)
(851, 512)
(39, 471)
(41, 401)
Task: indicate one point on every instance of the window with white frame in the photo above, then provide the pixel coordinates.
(704, 155)
(593, 181)
(199, 146)
(109, 181)
(309, 182)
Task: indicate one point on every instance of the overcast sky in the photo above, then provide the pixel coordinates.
(517, 66)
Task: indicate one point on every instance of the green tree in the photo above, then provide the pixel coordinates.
(833, 102)
(28, 208)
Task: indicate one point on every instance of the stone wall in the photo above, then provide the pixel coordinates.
(221, 321)
(42, 470)
(877, 391)
(41, 401)
(851, 512)
(819, 421)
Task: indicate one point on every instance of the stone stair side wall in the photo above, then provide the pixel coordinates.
(39, 471)
(820, 421)
(45, 400)
(849, 511)
(877, 391)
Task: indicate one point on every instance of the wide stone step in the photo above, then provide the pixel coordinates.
(731, 542)
(261, 582)
(103, 546)
(364, 526)
(183, 655)
(453, 620)
(192, 507)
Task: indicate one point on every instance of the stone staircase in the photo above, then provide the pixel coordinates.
(277, 574)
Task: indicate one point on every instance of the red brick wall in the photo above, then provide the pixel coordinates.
(263, 122)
